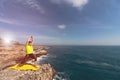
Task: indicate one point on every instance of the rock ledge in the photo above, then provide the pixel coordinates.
(46, 72)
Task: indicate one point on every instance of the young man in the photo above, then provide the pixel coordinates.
(29, 51)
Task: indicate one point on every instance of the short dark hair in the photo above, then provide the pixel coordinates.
(29, 41)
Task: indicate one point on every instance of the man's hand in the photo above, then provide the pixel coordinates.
(32, 39)
(31, 36)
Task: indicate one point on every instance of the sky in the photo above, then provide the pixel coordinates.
(61, 22)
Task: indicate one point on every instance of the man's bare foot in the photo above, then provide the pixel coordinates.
(37, 66)
(18, 66)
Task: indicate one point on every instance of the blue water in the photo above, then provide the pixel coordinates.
(85, 62)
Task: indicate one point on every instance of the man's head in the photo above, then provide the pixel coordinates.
(30, 43)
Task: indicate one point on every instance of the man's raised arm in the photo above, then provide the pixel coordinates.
(28, 40)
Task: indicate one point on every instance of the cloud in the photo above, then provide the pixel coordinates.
(10, 21)
(6, 21)
(14, 22)
(74, 3)
(62, 26)
(33, 4)
(77, 3)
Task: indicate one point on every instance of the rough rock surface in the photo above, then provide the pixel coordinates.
(46, 72)
(12, 54)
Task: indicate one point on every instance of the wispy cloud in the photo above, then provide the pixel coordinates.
(62, 26)
(32, 4)
(14, 22)
(77, 3)
(6, 21)
(10, 21)
(74, 3)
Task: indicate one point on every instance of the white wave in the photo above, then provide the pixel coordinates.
(85, 62)
(61, 76)
(42, 57)
(102, 64)
(52, 56)
(47, 48)
(38, 59)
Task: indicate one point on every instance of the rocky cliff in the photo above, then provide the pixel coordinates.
(46, 72)
(12, 54)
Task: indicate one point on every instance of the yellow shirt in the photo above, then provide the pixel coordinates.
(29, 49)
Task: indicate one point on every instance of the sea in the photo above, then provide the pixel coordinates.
(84, 62)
